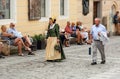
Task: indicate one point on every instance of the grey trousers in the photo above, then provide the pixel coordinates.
(98, 45)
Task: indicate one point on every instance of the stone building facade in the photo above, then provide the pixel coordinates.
(18, 12)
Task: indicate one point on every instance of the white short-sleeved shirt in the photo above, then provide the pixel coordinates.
(96, 29)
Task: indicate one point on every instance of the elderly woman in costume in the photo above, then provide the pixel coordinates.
(54, 50)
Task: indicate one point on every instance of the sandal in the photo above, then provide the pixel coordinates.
(21, 54)
(27, 48)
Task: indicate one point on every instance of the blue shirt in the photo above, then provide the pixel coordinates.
(73, 28)
(15, 32)
(96, 29)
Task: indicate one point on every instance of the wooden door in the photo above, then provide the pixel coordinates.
(96, 10)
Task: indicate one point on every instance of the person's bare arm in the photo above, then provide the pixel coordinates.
(7, 34)
(91, 38)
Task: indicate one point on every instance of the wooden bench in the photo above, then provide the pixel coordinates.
(72, 40)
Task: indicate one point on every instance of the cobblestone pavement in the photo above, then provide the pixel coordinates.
(76, 66)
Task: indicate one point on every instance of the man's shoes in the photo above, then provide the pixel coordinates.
(103, 62)
(93, 63)
(2, 57)
(30, 53)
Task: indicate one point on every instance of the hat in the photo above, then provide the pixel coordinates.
(53, 17)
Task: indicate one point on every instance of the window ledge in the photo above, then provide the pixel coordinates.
(7, 21)
(44, 19)
(63, 17)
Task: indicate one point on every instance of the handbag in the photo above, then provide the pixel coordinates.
(57, 48)
(6, 49)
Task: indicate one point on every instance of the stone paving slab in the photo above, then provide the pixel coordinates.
(76, 66)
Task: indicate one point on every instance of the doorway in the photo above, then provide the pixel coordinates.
(97, 11)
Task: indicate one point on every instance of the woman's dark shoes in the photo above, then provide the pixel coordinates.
(53, 60)
(57, 60)
(50, 60)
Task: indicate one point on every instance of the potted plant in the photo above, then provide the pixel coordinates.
(34, 43)
(43, 42)
(40, 39)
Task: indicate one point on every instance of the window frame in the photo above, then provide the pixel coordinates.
(66, 10)
(47, 11)
(63, 7)
(44, 9)
(13, 14)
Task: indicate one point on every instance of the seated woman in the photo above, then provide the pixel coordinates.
(84, 34)
(14, 41)
(76, 33)
(79, 25)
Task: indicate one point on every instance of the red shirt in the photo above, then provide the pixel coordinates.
(68, 29)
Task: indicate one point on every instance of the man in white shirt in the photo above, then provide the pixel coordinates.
(18, 34)
(96, 31)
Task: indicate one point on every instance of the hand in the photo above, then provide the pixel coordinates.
(89, 41)
(58, 40)
(12, 35)
(73, 32)
(99, 33)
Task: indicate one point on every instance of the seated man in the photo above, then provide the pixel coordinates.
(64, 37)
(17, 34)
(1, 46)
(74, 32)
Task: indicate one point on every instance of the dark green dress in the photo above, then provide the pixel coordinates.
(54, 32)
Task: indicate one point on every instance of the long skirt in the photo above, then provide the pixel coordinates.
(51, 53)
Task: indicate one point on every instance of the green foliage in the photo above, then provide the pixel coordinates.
(39, 37)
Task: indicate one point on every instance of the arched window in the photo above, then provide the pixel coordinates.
(113, 9)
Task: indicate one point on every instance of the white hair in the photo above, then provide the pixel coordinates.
(98, 19)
